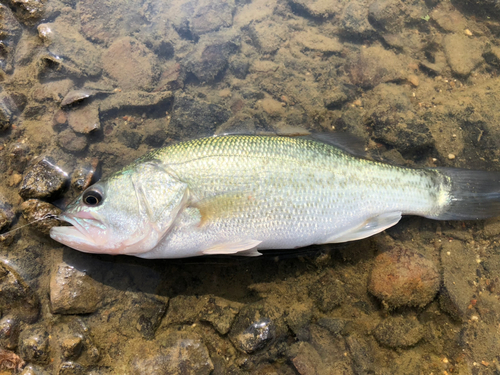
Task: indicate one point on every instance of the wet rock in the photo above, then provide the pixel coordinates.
(9, 331)
(7, 111)
(306, 359)
(34, 345)
(73, 291)
(84, 120)
(239, 67)
(75, 96)
(399, 332)
(448, 18)
(43, 179)
(258, 327)
(175, 353)
(71, 347)
(459, 275)
(16, 297)
(211, 57)
(256, 336)
(41, 215)
(59, 121)
(375, 65)
(34, 370)
(71, 368)
(6, 216)
(172, 78)
(10, 361)
(192, 113)
(317, 8)
(184, 309)
(394, 122)
(84, 174)
(220, 312)
(482, 341)
(388, 15)
(131, 139)
(354, 20)
(402, 277)
(463, 54)
(64, 40)
(51, 91)
(131, 64)
(327, 292)
(10, 32)
(313, 41)
(210, 15)
(361, 353)
(142, 314)
(71, 141)
(334, 326)
(19, 156)
(298, 318)
(28, 11)
(492, 56)
(268, 36)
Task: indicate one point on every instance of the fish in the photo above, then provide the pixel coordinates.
(239, 194)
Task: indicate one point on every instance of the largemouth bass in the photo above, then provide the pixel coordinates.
(241, 194)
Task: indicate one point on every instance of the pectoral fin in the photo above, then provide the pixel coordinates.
(236, 247)
(368, 228)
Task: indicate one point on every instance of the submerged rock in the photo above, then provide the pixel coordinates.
(463, 54)
(459, 275)
(402, 277)
(41, 215)
(220, 312)
(327, 292)
(10, 361)
(175, 353)
(142, 314)
(83, 174)
(19, 156)
(84, 120)
(399, 332)
(28, 11)
(34, 345)
(73, 291)
(71, 141)
(43, 179)
(9, 331)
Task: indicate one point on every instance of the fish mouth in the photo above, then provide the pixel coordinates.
(83, 234)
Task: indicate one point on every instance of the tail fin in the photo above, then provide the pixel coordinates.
(473, 194)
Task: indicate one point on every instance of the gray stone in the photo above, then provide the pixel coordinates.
(399, 332)
(463, 54)
(73, 291)
(388, 15)
(354, 20)
(210, 15)
(256, 336)
(85, 119)
(459, 275)
(71, 141)
(43, 179)
(34, 345)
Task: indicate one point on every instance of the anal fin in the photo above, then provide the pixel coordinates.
(236, 247)
(368, 228)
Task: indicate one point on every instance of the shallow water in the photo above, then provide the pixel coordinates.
(95, 84)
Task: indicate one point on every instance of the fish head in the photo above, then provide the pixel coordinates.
(115, 217)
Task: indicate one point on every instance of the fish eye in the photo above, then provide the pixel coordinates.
(92, 197)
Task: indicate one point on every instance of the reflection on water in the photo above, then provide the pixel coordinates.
(91, 85)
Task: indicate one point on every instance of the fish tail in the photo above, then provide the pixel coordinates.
(471, 195)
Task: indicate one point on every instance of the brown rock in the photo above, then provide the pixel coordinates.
(220, 313)
(43, 179)
(402, 277)
(72, 142)
(131, 64)
(41, 215)
(84, 120)
(399, 332)
(463, 54)
(73, 291)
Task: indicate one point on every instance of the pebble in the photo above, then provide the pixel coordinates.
(399, 332)
(85, 119)
(83, 174)
(71, 368)
(220, 313)
(9, 331)
(459, 275)
(131, 64)
(402, 277)
(142, 314)
(463, 54)
(71, 141)
(19, 156)
(34, 345)
(327, 292)
(59, 120)
(16, 297)
(451, 156)
(256, 336)
(34, 210)
(174, 351)
(43, 179)
(73, 291)
(71, 346)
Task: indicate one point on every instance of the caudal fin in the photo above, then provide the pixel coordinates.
(473, 195)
